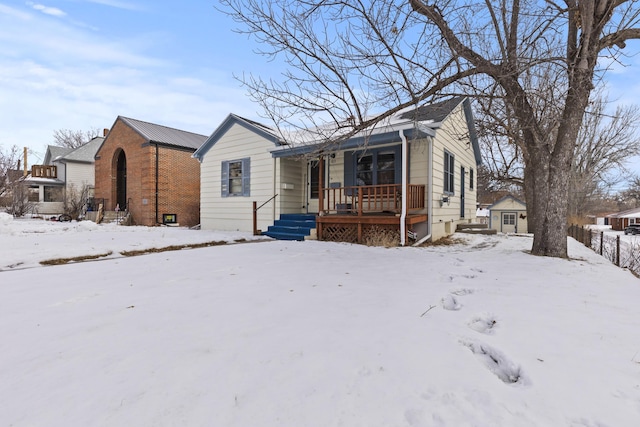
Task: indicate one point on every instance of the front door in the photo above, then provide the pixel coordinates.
(509, 224)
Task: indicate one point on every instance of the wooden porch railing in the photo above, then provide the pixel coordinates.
(364, 199)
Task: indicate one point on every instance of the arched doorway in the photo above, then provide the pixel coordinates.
(121, 180)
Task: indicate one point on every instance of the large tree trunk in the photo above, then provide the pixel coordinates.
(546, 189)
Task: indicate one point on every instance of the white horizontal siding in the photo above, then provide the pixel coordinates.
(235, 213)
(453, 136)
(80, 174)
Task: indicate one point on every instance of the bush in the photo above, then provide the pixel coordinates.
(379, 236)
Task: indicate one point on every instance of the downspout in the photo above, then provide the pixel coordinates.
(273, 208)
(403, 214)
(157, 163)
(429, 194)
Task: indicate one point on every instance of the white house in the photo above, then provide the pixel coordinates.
(63, 170)
(415, 173)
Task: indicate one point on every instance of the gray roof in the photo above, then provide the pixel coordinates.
(85, 153)
(165, 135)
(435, 112)
(54, 152)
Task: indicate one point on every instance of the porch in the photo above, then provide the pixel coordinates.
(346, 214)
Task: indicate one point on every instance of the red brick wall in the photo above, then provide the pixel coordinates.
(178, 178)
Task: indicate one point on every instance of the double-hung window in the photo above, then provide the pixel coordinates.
(235, 177)
(380, 166)
(448, 172)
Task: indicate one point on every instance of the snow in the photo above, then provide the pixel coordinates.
(311, 333)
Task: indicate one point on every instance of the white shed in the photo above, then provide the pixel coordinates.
(508, 215)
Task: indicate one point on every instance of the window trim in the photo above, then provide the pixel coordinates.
(225, 184)
(351, 164)
(449, 173)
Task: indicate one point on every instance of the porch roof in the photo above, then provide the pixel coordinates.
(388, 135)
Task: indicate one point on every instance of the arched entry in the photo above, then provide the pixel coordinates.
(121, 180)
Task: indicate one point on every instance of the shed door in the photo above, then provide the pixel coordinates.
(509, 224)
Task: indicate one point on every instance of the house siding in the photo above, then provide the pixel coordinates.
(292, 185)
(445, 218)
(79, 175)
(235, 213)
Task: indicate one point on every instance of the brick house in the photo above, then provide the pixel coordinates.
(147, 170)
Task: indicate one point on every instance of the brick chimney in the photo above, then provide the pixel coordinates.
(105, 131)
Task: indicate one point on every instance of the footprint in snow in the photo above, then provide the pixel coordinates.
(483, 323)
(462, 292)
(449, 302)
(503, 368)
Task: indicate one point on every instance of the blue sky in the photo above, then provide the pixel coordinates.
(78, 64)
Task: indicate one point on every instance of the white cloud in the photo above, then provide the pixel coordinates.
(15, 13)
(117, 4)
(53, 11)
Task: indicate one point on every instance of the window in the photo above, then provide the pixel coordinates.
(471, 178)
(373, 167)
(509, 219)
(235, 178)
(53, 194)
(448, 172)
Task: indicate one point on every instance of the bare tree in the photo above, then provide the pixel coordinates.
(606, 143)
(9, 160)
(75, 200)
(73, 138)
(354, 63)
(19, 202)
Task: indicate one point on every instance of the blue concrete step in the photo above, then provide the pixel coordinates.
(283, 236)
(291, 227)
(279, 228)
(298, 217)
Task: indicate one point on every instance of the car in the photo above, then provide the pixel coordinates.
(632, 229)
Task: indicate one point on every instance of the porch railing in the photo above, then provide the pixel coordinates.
(365, 199)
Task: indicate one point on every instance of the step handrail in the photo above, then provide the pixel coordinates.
(257, 232)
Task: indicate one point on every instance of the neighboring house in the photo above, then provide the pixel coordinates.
(65, 171)
(508, 215)
(147, 170)
(482, 215)
(415, 172)
(619, 221)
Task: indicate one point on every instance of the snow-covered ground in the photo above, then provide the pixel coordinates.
(310, 333)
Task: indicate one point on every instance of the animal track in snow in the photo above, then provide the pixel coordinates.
(483, 323)
(507, 371)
